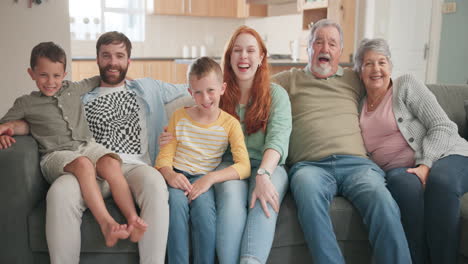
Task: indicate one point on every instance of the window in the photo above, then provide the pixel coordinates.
(90, 18)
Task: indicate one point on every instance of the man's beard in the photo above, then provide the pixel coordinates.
(111, 81)
(322, 69)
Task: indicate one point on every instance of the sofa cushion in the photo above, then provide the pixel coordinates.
(466, 116)
(347, 223)
(451, 98)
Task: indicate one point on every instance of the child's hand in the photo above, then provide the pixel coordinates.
(165, 138)
(6, 141)
(199, 187)
(5, 130)
(179, 181)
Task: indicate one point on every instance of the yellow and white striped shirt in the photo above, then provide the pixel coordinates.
(198, 148)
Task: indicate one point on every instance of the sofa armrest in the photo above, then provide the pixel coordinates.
(22, 187)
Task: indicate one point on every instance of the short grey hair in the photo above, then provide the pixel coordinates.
(321, 24)
(378, 45)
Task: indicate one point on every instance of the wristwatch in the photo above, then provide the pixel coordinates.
(262, 171)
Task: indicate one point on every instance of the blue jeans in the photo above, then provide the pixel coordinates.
(248, 233)
(408, 192)
(202, 215)
(362, 182)
(431, 217)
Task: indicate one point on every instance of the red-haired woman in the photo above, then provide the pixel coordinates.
(265, 114)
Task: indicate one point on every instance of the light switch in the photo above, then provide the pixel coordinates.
(449, 7)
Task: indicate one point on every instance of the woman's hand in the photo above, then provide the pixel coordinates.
(265, 192)
(422, 171)
(165, 138)
(199, 187)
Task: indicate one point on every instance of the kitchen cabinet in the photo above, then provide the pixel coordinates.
(245, 10)
(210, 8)
(340, 11)
(84, 69)
(160, 70)
(169, 7)
(157, 69)
(180, 72)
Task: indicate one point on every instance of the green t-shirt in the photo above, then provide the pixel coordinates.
(278, 129)
(324, 114)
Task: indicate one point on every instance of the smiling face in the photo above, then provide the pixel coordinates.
(325, 52)
(206, 92)
(113, 62)
(376, 71)
(48, 75)
(245, 58)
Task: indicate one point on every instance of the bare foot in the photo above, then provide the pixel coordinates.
(113, 232)
(136, 229)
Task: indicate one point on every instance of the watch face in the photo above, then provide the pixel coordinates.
(261, 171)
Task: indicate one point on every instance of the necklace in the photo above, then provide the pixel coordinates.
(375, 102)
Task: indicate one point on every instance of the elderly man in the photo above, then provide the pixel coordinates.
(327, 155)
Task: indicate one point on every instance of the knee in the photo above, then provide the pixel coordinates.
(302, 187)
(203, 212)
(405, 185)
(80, 163)
(437, 181)
(155, 186)
(231, 195)
(177, 200)
(64, 193)
(107, 162)
(382, 199)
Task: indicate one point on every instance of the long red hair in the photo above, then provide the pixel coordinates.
(258, 108)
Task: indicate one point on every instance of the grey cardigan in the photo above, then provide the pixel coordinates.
(423, 123)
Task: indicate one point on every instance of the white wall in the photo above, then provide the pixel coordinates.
(21, 29)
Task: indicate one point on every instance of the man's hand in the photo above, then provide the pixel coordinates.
(422, 171)
(6, 141)
(199, 187)
(165, 138)
(265, 192)
(179, 181)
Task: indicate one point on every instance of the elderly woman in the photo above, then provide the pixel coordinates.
(408, 134)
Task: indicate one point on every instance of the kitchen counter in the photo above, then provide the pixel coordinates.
(179, 60)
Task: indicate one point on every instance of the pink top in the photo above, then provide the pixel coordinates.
(382, 138)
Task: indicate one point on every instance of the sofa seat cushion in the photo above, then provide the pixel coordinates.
(464, 225)
(466, 117)
(91, 236)
(346, 221)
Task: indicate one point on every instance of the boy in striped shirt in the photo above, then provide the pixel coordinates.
(202, 134)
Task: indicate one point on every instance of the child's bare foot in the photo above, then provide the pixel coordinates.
(113, 232)
(136, 229)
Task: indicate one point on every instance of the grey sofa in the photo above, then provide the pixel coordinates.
(23, 192)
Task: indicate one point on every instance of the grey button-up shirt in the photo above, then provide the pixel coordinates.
(57, 122)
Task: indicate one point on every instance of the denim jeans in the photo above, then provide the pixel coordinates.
(431, 216)
(241, 232)
(362, 182)
(202, 215)
(408, 192)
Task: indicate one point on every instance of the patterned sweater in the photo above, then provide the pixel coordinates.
(423, 123)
